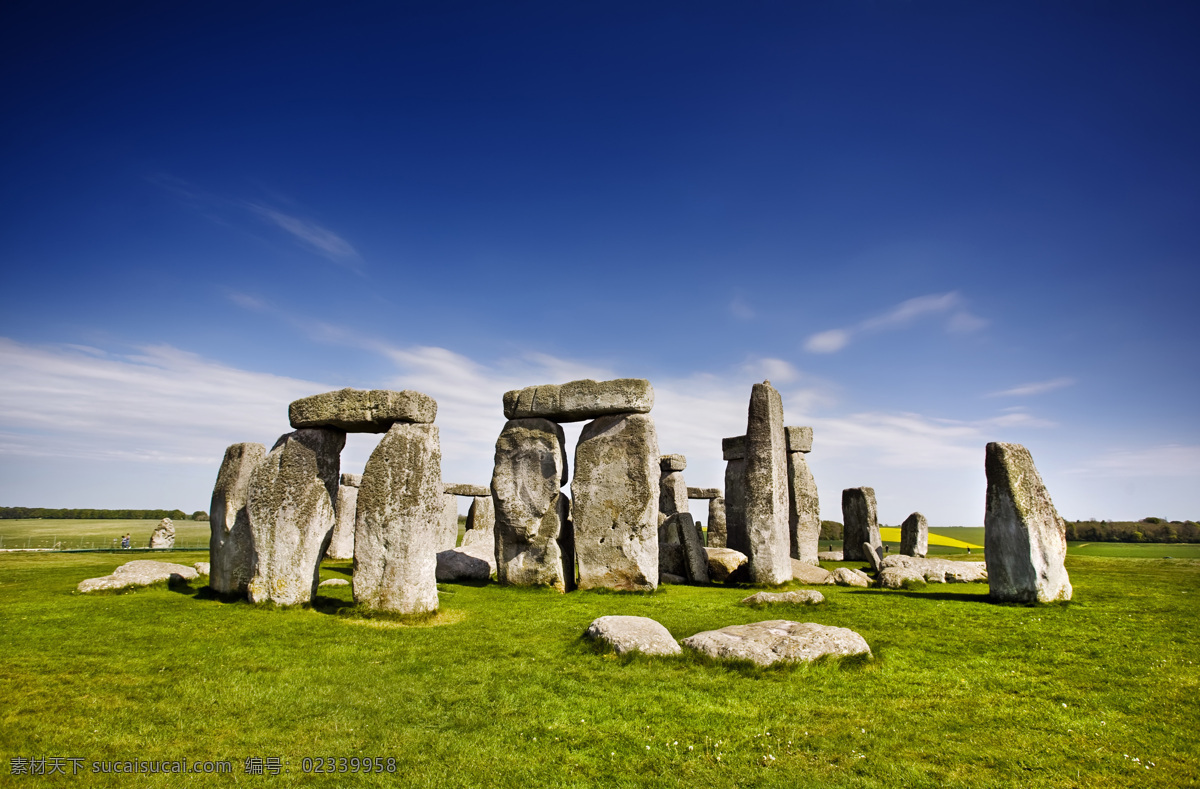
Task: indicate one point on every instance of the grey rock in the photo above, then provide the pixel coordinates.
(633, 634)
(723, 562)
(230, 543)
(202, 567)
(801, 597)
(733, 448)
(704, 493)
(468, 563)
(672, 463)
(810, 574)
(778, 640)
(766, 489)
(616, 492)
(799, 439)
(672, 497)
(334, 582)
(341, 544)
(447, 536)
(735, 506)
(163, 536)
(469, 490)
(142, 572)
(672, 578)
(914, 535)
(533, 533)
(362, 410)
(898, 577)
(580, 400)
(844, 576)
(671, 560)
(830, 556)
(695, 558)
(397, 531)
(481, 524)
(860, 523)
(290, 505)
(873, 558)
(716, 522)
(352, 480)
(1025, 540)
(804, 510)
(937, 571)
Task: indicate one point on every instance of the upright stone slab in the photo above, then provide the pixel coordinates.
(230, 544)
(580, 400)
(534, 540)
(163, 536)
(804, 511)
(716, 522)
(766, 489)
(859, 523)
(290, 504)
(914, 535)
(673, 494)
(694, 556)
(616, 491)
(448, 523)
(481, 523)
(1025, 540)
(361, 410)
(396, 534)
(341, 545)
(734, 451)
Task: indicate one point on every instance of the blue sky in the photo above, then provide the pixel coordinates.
(931, 225)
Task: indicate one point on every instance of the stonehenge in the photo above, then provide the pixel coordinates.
(231, 546)
(860, 524)
(765, 488)
(341, 545)
(359, 411)
(914, 535)
(163, 536)
(804, 509)
(578, 401)
(673, 492)
(733, 450)
(716, 514)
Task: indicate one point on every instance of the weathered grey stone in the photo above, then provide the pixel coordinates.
(341, 544)
(1025, 540)
(704, 493)
(860, 523)
(163, 536)
(799, 439)
(735, 506)
(830, 556)
(937, 571)
(672, 499)
(202, 567)
(469, 490)
(723, 562)
(695, 558)
(290, 504)
(844, 576)
(633, 634)
(672, 463)
(733, 448)
(671, 560)
(716, 523)
(352, 480)
(873, 558)
(778, 640)
(914, 535)
(804, 510)
(334, 582)
(362, 410)
(468, 563)
(801, 597)
(899, 577)
(397, 531)
(616, 494)
(142, 572)
(810, 574)
(766, 488)
(230, 544)
(481, 523)
(580, 400)
(447, 536)
(533, 533)
(672, 578)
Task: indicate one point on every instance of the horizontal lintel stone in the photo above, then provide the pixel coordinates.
(579, 400)
(362, 410)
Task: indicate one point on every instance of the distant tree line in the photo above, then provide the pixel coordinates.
(1145, 530)
(13, 513)
(831, 530)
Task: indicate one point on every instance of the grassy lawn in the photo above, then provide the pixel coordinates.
(499, 689)
(74, 534)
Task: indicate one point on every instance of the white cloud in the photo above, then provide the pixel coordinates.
(903, 314)
(775, 370)
(1039, 387)
(317, 238)
(1167, 460)
(830, 341)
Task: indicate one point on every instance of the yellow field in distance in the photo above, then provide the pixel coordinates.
(890, 534)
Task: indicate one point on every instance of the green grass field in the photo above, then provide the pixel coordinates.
(84, 534)
(499, 689)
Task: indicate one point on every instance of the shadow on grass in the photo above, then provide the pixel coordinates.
(956, 597)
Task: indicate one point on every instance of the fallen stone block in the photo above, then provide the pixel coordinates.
(844, 576)
(778, 640)
(800, 597)
(141, 572)
(810, 574)
(723, 562)
(633, 634)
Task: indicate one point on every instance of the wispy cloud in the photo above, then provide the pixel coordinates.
(1036, 388)
(315, 237)
(1166, 460)
(904, 314)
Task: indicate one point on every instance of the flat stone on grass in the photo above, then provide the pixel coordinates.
(141, 572)
(778, 640)
(800, 597)
(633, 634)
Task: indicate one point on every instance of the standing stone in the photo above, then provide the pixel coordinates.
(481, 522)
(580, 400)
(1025, 540)
(448, 526)
(290, 504)
(163, 536)
(694, 556)
(533, 533)
(804, 512)
(341, 545)
(766, 488)
(860, 524)
(673, 494)
(914, 535)
(734, 452)
(616, 491)
(396, 533)
(716, 522)
(230, 545)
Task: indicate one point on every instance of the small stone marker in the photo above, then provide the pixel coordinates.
(766, 488)
(633, 634)
(580, 400)
(800, 597)
(163, 537)
(1025, 540)
(723, 562)
(230, 544)
(362, 411)
(778, 640)
(914, 535)
(861, 523)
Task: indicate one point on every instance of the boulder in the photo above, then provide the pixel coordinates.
(667, 463)
(671, 560)
(397, 532)
(142, 572)
(896, 577)
(468, 563)
(830, 556)
(580, 400)
(938, 571)
(861, 523)
(616, 492)
(533, 534)
(201, 567)
(914, 535)
(1025, 540)
(469, 490)
(362, 411)
(716, 523)
(801, 597)
(809, 574)
(290, 505)
(844, 576)
(695, 559)
(873, 558)
(230, 543)
(723, 562)
(766, 489)
(778, 640)
(799, 439)
(163, 537)
(447, 534)
(633, 634)
(341, 544)
(704, 493)
(334, 582)
(804, 509)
